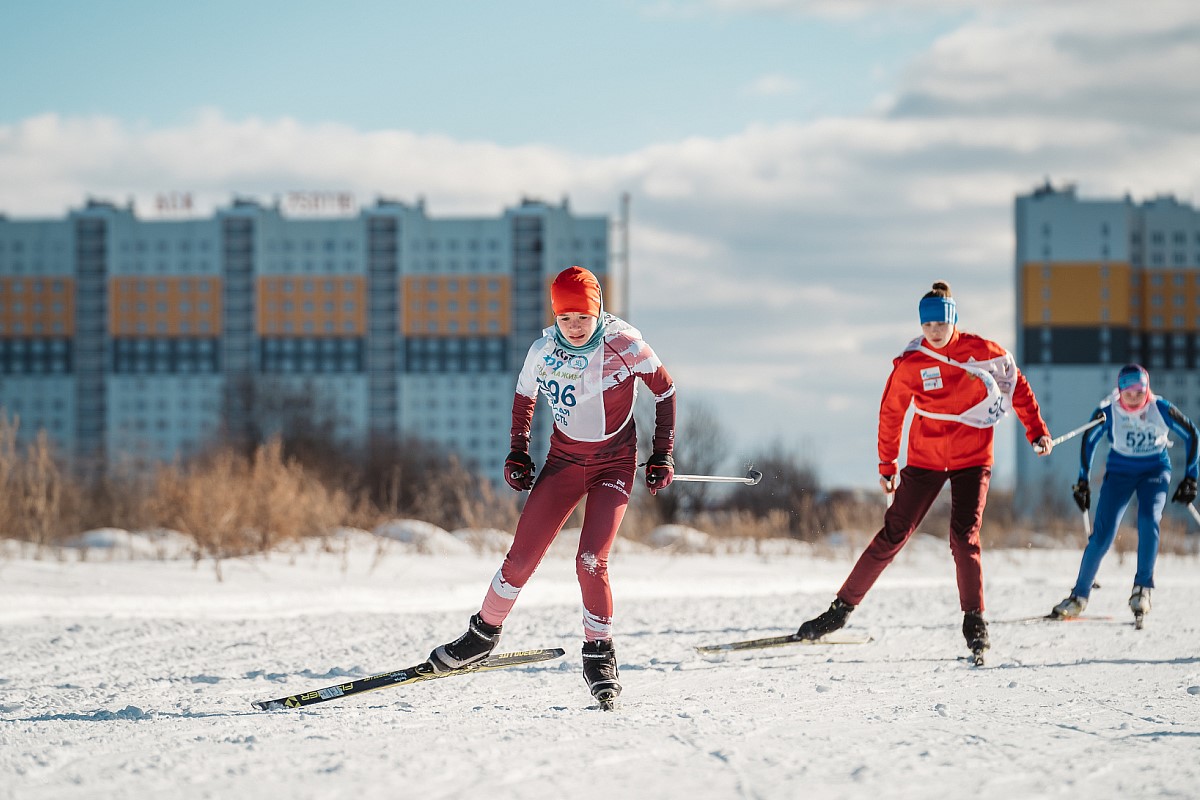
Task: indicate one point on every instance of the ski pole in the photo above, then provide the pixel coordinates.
(1087, 524)
(1195, 513)
(1057, 440)
(753, 476)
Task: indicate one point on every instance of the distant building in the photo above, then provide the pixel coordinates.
(1101, 283)
(147, 339)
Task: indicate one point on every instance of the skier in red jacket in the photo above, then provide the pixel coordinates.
(587, 367)
(959, 385)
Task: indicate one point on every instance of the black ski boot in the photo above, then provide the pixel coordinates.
(832, 619)
(600, 672)
(975, 631)
(472, 647)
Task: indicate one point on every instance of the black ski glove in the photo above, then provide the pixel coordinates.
(1185, 493)
(518, 470)
(1083, 495)
(660, 471)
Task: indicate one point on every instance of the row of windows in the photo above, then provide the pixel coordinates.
(453, 265)
(308, 265)
(165, 287)
(348, 306)
(1178, 279)
(1100, 345)
(17, 246)
(309, 286)
(418, 346)
(1178, 238)
(37, 405)
(1160, 260)
(31, 425)
(326, 327)
(164, 347)
(36, 328)
(454, 326)
(164, 246)
(163, 356)
(35, 357)
(35, 287)
(468, 354)
(159, 307)
(184, 265)
(305, 347)
(434, 306)
(454, 286)
(1161, 321)
(470, 245)
(311, 356)
(18, 307)
(1160, 237)
(162, 328)
(328, 246)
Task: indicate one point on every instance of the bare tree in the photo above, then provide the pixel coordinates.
(701, 448)
(789, 484)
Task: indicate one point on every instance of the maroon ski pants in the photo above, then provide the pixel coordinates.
(916, 493)
(558, 490)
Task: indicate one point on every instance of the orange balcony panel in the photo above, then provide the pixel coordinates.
(38, 306)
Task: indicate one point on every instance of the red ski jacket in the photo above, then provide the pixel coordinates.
(940, 388)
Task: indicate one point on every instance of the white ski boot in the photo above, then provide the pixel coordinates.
(1073, 606)
(1139, 604)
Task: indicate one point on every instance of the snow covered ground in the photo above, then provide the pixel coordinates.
(125, 675)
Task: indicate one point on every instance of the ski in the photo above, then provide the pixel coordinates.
(414, 674)
(1052, 618)
(779, 641)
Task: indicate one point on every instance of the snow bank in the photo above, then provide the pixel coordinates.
(423, 537)
(112, 543)
(485, 540)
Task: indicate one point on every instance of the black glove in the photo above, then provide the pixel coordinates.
(518, 470)
(660, 471)
(1185, 493)
(1083, 495)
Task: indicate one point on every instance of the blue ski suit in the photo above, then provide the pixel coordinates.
(1137, 463)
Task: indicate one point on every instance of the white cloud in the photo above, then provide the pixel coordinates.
(773, 85)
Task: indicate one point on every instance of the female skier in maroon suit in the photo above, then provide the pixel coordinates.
(586, 366)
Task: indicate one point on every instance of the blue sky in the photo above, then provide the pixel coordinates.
(800, 170)
(597, 76)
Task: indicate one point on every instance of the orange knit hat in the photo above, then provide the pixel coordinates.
(575, 290)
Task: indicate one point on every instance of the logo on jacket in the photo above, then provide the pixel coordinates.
(931, 378)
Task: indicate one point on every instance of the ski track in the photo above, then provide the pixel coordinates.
(136, 678)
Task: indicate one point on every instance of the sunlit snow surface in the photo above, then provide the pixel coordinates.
(131, 674)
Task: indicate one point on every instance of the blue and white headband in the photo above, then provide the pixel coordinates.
(938, 309)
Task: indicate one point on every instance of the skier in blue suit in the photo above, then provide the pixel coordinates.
(1137, 425)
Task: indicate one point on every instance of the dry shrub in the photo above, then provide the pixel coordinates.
(233, 505)
(37, 502)
(457, 498)
(10, 466)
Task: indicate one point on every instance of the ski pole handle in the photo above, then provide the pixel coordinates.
(1087, 523)
(752, 478)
